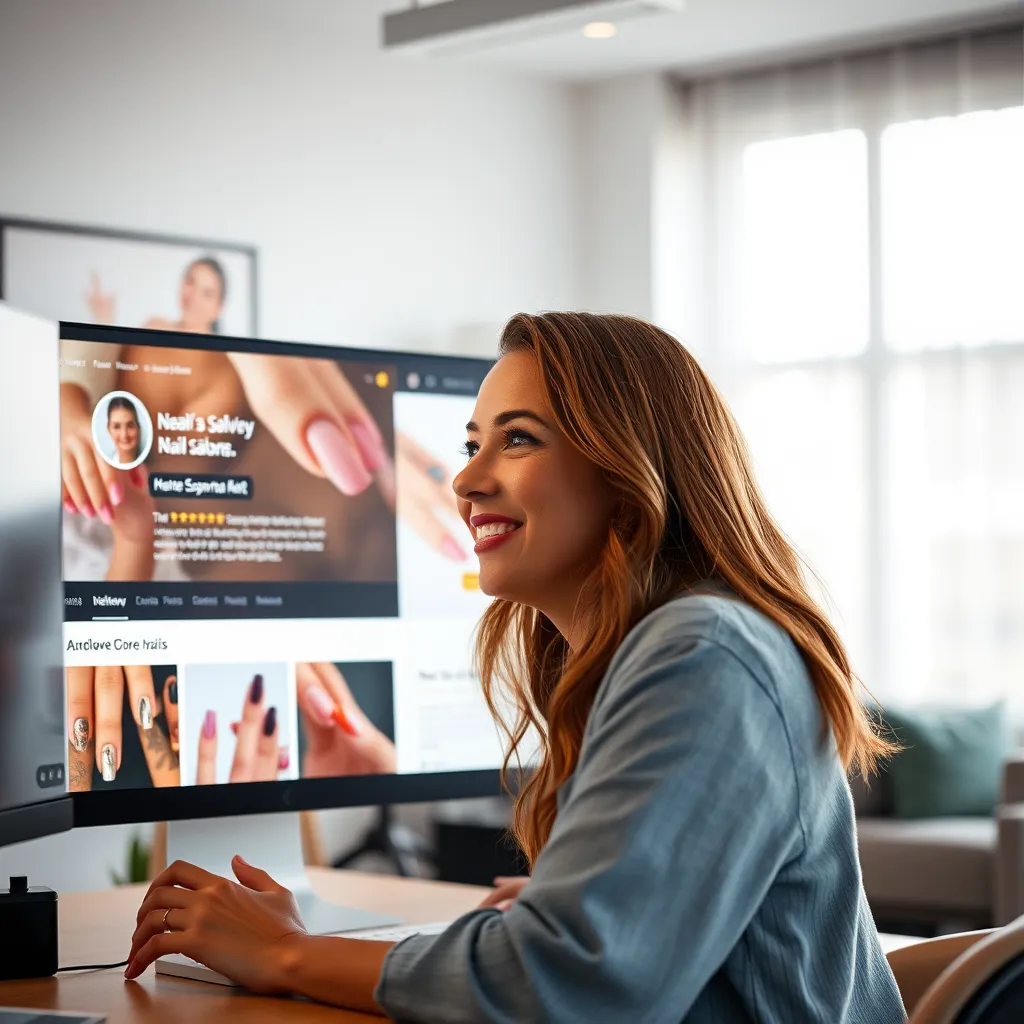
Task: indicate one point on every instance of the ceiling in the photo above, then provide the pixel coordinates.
(714, 35)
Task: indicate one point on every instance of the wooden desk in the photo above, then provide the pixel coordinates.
(96, 927)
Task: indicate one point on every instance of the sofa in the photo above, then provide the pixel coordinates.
(967, 871)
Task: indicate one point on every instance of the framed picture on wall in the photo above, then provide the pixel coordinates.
(128, 278)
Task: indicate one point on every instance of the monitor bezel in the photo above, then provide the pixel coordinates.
(34, 821)
(130, 806)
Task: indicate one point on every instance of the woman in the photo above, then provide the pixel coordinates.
(689, 825)
(201, 296)
(123, 428)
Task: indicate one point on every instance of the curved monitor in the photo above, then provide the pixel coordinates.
(269, 598)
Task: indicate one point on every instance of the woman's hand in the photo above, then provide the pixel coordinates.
(506, 892)
(90, 485)
(241, 931)
(340, 739)
(100, 303)
(95, 697)
(424, 495)
(316, 415)
(258, 757)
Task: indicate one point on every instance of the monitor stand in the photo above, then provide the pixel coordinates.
(272, 842)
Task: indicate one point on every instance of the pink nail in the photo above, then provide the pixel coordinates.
(282, 759)
(337, 459)
(320, 704)
(87, 511)
(106, 513)
(135, 475)
(69, 506)
(116, 494)
(452, 550)
(210, 725)
(371, 448)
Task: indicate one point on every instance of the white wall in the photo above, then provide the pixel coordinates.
(394, 201)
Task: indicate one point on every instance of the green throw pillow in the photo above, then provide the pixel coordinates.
(951, 760)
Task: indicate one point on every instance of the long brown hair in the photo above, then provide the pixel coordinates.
(638, 405)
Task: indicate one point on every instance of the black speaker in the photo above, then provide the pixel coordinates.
(28, 923)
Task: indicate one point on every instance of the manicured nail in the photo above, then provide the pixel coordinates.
(80, 734)
(339, 462)
(210, 725)
(106, 513)
(88, 511)
(371, 448)
(108, 758)
(346, 723)
(70, 507)
(234, 727)
(320, 704)
(145, 713)
(116, 492)
(270, 722)
(135, 475)
(129, 971)
(256, 689)
(452, 550)
(282, 759)
(172, 690)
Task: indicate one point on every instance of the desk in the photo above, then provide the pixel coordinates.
(96, 927)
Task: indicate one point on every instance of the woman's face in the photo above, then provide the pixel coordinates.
(124, 431)
(538, 509)
(201, 298)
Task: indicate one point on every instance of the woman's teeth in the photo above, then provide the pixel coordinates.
(493, 529)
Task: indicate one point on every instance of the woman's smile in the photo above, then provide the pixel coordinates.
(490, 530)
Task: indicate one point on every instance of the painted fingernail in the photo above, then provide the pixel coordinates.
(210, 725)
(234, 727)
(347, 724)
(70, 507)
(108, 758)
(337, 459)
(145, 713)
(88, 511)
(106, 513)
(270, 722)
(320, 704)
(172, 690)
(282, 759)
(371, 448)
(452, 550)
(135, 475)
(116, 492)
(80, 734)
(256, 689)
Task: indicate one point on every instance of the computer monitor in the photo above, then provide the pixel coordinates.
(32, 783)
(269, 598)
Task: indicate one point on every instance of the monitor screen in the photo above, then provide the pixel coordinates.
(31, 690)
(266, 579)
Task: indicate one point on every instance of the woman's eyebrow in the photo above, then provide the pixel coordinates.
(512, 414)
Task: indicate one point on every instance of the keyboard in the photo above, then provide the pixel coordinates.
(177, 965)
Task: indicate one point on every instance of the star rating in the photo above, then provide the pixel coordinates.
(202, 518)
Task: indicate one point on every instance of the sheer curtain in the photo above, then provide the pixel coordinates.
(863, 234)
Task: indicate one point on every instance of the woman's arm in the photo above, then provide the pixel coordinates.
(339, 971)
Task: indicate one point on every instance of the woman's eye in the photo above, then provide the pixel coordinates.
(518, 438)
(469, 449)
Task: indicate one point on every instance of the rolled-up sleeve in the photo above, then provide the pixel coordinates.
(683, 808)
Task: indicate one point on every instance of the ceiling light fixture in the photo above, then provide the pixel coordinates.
(599, 29)
(466, 26)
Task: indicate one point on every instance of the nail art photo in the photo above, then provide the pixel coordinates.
(108, 758)
(256, 689)
(80, 734)
(145, 713)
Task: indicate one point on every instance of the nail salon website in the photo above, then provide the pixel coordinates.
(266, 577)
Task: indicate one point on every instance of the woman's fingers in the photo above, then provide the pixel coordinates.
(74, 484)
(422, 493)
(160, 944)
(243, 767)
(289, 399)
(109, 694)
(349, 406)
(164, 897)
(206, 766)
(96, 485)
(81, 727)
(141, 695)
(268, 751)
(344, 712)
(171, 710)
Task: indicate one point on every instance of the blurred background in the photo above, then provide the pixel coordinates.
(824, 199)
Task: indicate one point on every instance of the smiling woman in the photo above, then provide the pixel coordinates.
(689, 824)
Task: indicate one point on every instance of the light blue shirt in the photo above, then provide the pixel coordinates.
(703, 865)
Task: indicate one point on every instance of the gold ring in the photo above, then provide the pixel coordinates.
(167, 927)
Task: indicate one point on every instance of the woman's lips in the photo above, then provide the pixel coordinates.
(490, 543)
(494, 530)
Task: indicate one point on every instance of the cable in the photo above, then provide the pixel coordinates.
(93, 967)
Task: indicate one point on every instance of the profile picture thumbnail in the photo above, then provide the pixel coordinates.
(122, 429)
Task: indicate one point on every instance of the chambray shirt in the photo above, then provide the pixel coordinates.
(703, 864)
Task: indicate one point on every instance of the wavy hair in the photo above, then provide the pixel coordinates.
(636, 403)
